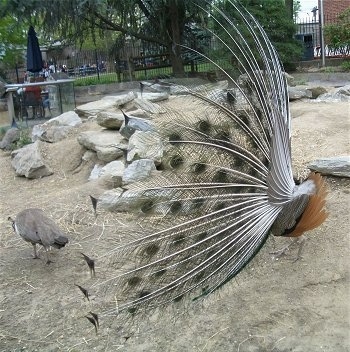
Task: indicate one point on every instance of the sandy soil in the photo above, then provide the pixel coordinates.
(273, 305)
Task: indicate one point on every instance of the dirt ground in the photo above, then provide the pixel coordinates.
(272, 305)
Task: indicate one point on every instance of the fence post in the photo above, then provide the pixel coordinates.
(323, 51)
(97, 66)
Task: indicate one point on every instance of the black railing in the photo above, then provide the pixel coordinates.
(309, 32)
(135, 60)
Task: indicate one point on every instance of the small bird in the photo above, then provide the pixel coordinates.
(35, 227)
(226, 182)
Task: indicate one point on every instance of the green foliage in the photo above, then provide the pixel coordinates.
(346, 65)
(24, 138)
(272, 15)
(13, 37)
(93, 80)
(337, 35)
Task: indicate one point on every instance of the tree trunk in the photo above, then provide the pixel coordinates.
(175, 30)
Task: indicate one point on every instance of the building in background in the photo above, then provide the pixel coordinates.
(332, 8)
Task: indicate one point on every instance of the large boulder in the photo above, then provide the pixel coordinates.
(29, 162)
(110, 119)
(108, 145)
(133, 124)
(56, 128)
(337, 95)
(337, 166)
(154, 97)
(145, 145)
(148, 106)
(112, 173)
(317, 91)
(110, 200)
(108, 103)
(138, 170)
(299, 92)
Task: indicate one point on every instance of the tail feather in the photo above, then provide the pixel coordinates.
(226, 179)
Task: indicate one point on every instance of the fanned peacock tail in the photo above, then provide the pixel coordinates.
(226, 179)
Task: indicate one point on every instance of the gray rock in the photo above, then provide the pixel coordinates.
(110, 119)
(12, 135)
(337, 166)
(339, 94)
(89, 155)
(290, 79)
(69, 118)
(95, 172)
(157, 86)
(57, 128)
(135, 124)
(50, 134)
(145, 145)
(299, 92)
(108, 103)
(138, 170)
(112, 173)
(154, 97)
(28, 162)
(317, 91)
(108, 154)
(148, 106)
(108, 145)
(110, 200)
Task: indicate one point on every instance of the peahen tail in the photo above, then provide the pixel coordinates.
(226, 180)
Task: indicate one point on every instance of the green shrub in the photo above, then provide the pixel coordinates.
(24, 138)
(346, 65)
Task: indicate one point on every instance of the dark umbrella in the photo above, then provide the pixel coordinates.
(34, 58)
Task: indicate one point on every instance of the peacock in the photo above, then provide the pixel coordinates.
(226, 180)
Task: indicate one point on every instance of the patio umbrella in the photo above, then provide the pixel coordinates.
(34, 58)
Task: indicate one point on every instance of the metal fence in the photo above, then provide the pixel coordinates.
(134, 60)
(309, 32)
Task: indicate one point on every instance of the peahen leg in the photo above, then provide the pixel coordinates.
(298, 240)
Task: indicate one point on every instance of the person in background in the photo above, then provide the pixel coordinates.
(35, 99)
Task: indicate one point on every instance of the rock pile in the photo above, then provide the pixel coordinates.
(127, 147)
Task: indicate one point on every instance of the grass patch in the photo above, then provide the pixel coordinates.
(146, 74)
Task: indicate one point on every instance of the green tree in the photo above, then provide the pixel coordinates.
(13, 38)
(158, 21)
(280, 28)
(337, 34)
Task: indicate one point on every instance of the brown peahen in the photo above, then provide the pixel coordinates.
(226, 181)
(35, 227)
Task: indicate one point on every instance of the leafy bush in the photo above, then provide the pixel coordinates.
(337, 35)
(346, 65)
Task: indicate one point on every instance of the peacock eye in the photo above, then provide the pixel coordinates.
(198, 168)
(174, 137)
(147, 206)
(175, 207)
(220, 176)
(134, 281)
(176, 161)
(204, 126)
(151, 250)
